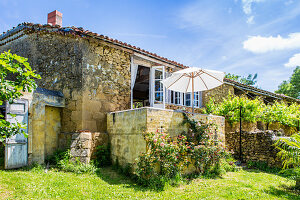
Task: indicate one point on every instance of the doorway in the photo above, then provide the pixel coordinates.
(141, 87)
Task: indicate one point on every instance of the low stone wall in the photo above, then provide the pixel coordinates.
(254, 126)
(185, 108)
(82, 145)
(256, 146)
(126, 129)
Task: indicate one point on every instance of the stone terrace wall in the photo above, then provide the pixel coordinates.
(188, 109)
(256, 146)
(126, 129)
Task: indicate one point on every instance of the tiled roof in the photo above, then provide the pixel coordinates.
(6, 37)
(80, 32)
(260, 91)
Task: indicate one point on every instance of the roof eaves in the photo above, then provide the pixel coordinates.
(86, 33)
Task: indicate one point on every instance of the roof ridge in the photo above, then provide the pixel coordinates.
(82, 32)
(258, 89)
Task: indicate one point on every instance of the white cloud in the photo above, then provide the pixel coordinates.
(247, 5)
(250, 20)
(259, 44)
(293, 61)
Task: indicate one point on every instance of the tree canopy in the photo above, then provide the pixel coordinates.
(249, 80)
(292, 86)
(16, 76)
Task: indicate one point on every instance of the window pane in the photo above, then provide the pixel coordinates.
(158, 96)
(158, 74)
(158, 86)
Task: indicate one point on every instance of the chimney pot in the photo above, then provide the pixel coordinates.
(55, 18)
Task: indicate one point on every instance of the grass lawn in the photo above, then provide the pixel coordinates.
(18, 184)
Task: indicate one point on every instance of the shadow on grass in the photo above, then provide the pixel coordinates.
(285, 192)
(112, 177)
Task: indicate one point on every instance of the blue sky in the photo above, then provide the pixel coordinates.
(236, 36)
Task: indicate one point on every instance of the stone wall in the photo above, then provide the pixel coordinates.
(93, 75)
(284, 130)
(217, 93)
(106, 86)
(187, 109)
(44, 124)
(58, 59)
(83, 145)
(126, 129)
(256, 146)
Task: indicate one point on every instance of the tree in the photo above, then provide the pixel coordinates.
(16, 76)
(249, 80)
(292, 86)
(289, 152)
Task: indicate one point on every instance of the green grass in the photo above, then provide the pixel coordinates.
(107, 184)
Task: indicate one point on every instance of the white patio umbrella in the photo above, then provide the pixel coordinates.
(193, 80)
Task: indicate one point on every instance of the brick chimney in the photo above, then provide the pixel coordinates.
(55, 18)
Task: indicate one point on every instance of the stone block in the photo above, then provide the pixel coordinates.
(85, 136)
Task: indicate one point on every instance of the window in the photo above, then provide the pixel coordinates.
(188, 99)
(184, 99)
(158, 86)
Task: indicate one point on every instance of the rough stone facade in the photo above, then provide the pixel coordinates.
(126, 130)
(218, 93)
(256, 146)
(83, 145)
(284, 130)
(93, 76)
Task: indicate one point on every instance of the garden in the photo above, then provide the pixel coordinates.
(192, 165)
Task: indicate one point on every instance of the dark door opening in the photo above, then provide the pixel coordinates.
(141, 87)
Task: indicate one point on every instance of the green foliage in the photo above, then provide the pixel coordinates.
(292, 86)
(230, 108)
(254, 110)
(292, 173)
(289, 150)
(63, 160)
(261, 165)
(16, 76)
(166, 158)
(57, 156)
(249, 80)
(102, 156)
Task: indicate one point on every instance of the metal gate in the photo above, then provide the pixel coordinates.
(16, 149)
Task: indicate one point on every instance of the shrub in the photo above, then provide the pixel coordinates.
(166, 158)
(56, 157)
(62, 160)
(102, 156)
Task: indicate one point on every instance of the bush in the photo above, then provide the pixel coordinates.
(166, 158)
(62, 160)
(56, 157)
(102, 156)
(261, 165)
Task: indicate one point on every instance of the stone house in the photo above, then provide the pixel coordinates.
(86, 75)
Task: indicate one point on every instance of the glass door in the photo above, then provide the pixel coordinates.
(157, 88)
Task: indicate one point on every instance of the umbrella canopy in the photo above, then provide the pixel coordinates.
(193, 80)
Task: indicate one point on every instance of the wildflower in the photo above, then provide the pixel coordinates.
(155, 140)
(162, 144)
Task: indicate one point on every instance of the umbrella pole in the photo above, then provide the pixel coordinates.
(192, 92)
